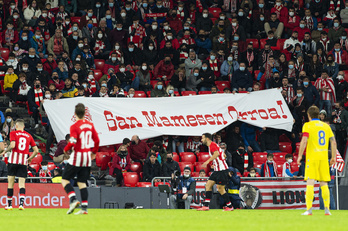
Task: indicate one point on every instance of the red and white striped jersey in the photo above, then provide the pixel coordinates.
(220, 162)
(81, 134)
(20, 152)
(327, 83)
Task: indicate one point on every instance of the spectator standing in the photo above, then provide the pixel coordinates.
(138, 149)
(170, 166)
(151, 169)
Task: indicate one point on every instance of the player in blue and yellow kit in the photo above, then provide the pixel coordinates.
(316, 137)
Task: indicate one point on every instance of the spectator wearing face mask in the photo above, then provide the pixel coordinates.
(44, 117)
(170, 166)
(341, 86)
(242, 80)
(269, 168)
(151, 169)
(253, 173)
(9, 125)
(242, 160)
(126, 78)
(164, 69)
(159, 90)
(44, 172)
(193, 80)
(228, 67)
(138, 149)
(57, 176)
(185, 187)
(59, 154)
(287, 167)
(207, 77)
(121, 162)
(223, 147)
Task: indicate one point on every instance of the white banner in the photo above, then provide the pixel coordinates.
(117, 118)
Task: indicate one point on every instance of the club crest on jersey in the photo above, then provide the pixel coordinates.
(88, 115)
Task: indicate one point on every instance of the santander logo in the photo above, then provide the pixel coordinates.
(88, 116)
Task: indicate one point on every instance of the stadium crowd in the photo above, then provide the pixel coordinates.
(164, 48)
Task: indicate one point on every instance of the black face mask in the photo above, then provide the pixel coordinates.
(133, 142)
(169, 159)
(241, 150)
(167, 62)
(59, 23)
(55, 77)
(296, 5)
(37, 86)
(266, 51)
(276, 78)
(250, 50)
(123, 153)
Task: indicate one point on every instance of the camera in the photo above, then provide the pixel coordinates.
(176, 173)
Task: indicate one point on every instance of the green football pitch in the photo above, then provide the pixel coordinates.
(179, 220)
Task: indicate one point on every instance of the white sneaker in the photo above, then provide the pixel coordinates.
(21, 207)
(8, 208)
(73, 206)
(81, 212)
(307, 213)
(327, 212)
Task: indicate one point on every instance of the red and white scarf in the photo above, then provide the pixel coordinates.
(291, 73)
(344, 44)
(92, 85)
(293, 100)
(246, 160)
(309, 22)
(250, 57)
(266, 170)
(42, 173)
(183, 55)
(289, 93)
(99, 46)
(38, 96)
(138, 36)
(278, 9)
(329, 84)
(338, 5)
(338, 57)
(213, 65)
(234, 29)
(299, 66)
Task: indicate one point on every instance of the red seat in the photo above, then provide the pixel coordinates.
(136, 167)
(139, 94)
(204, 93)
(161, 183)
(255, 43)
(194, 174)
(221, 85)
(182, 165)
(153, 83)
(284, 138)
(37, 159)
(176, 93)
(280, 169)
(258, 165)
(99, 64)
(203, 156)
(346, 75)
(279, 157)
(294, 158)
(285, 147)
(51, 166)
(215, 12)
(2, 88)
(262, 43)
(144, 184)
(76, 19)
(35, 166)
(188, 93)
(213, 20)
(260, 157)
(97, 75)
(198, 167)
(102, 160)
(5, 52)
(298, 148)
(280, 44)
(131, 179)
(188, 157)
(176, 157)
(107, 148)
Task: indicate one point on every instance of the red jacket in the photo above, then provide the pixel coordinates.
(284, 14)
(175, 44)
(139, 151)
(108, 65)
(60, 85)
(344, 56)
(175, 24)
(292, 25)
(301, 32)
(164, 69)
(116, 164)
(49, 67)
(15, 37)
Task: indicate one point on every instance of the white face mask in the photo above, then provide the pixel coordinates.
(234, 24)
(166, 27)
(65, 161)
(269, 161)
(144, 68)
(278, 3)
(123, 14)
(289, 161)
(154, 27)
(340, 77)
(78, 59)
(25, 68)
(100, 36)
(151, 48)
(80, 45)
(291, 14)
(205, 15)
(90, 76)
(117, 47)
(131, 95)
(122, 69)
(47, 96)
(187, 176)
(169, 37)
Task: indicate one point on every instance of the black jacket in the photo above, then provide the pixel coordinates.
(176, 83)
(125, 77)
(269, 140)
(169, 167)
(133, 58)
(208, 78)
(151, 170)
(238, 161)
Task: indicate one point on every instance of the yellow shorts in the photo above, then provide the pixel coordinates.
(317, 170)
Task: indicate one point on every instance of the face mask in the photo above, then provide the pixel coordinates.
(336, 24)
(320, 29)
(212, 57)
(98, 5)
(291, 66)
(131, 95)
(337, 49)
(16, 48)
(13, 6)
(170, 91)
(90, 26)
(269, 161)
(229, 59)
(222, 17)
(108, 16)
(159, 87)
(90, 14)
(48, 96)
(234, 24)
(80, 45)
(262, 19)
(166, 27)
(205, 15)
(169, 37)
(240, 14)
(75, 37)
(291, 14)
(123, 14)
(167, 62)
(113, 58)
(340, 77)
(204, 68)
(169, 159)
(8, 120)
(186, 176)
(290, 161)
(151, 48)
(90, 76)
(25, 68)
(261, 6)
(31, 56)
(299, 95)
(186, 28)
(37, 36)
(302, 26)
(344, 37)
(196, 74)
(144, 68)
(144, 5)
(154, 27)
(16, 16)
(100, 36)
(25, 38)
(111, 4)
(278, 3)
(84, 85)
(252, 174)
(236, 38)
(11, 60)
(305, 83)
(122, 69)
(242, 68)
(128, 8)
(44, 168)
(131, 49)
(39, 69)
(65, 161)
(104, 85)
(240, 150)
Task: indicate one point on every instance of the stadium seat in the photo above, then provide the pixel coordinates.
(213, 20)
(294, 158)
(153, 83)
(182, 165)
(280, 44)
(257, 165)
(176, 157)
(111, 154)
(279, 157)
(5, 52)
(107, 148)
(130, 179)
(346, 75)
(254, 41)
(221, 85)
(262, 43)
(214, 11)
(280, 169)
(284, 138)
(136, 167)
(102, 159)
(75, 19)
(161, 183)
(35, 166)
(2, 88)
(298, 148)
(285, 147)
(188, 93)
(139, 94)
(194, 174)
(204, 93)
(99, 64)
(188, 157)
(176, 93)
(144, 184)
(203, 156)
(259, 157)
(37, 159)
(97, 75)
(51, 166)
(198, 167)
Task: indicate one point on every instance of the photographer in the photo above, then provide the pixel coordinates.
(184, 187)
(232, 188)
(170, 166)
